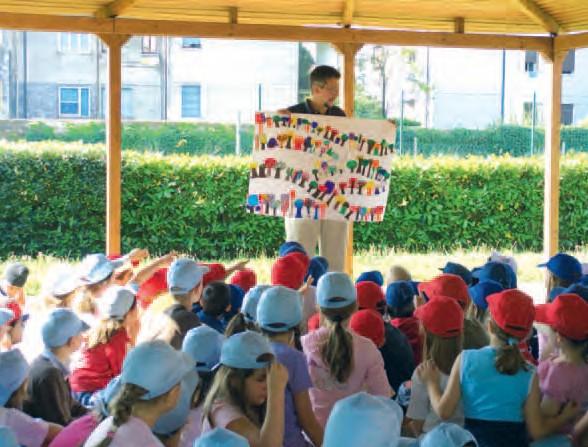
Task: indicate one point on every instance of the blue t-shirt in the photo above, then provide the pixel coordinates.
(489, 395)
(298, 380)
(211, 321)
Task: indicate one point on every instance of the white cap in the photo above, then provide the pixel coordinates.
(116, 302)
(97, 267)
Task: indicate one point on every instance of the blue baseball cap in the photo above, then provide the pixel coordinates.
(155, 366)
(373, 276)
(564, 266)
(5, 316)
(60, 326)
(497, 271)
(447, 435)
(7, 437)
(290, 247)
(317, 267)
(335, 290)
(176, 418)
(578, 289)
(363, 419)
(583, 280)
(459, 270)
(221, 437)
(237, 296)
(279, 309)
(14, 370)
(250, 301)
(246, 350)
(105, 396)
(97, 267)
(183, 275)
(116, 302)
(399, 294)
(203, 344)
(482, 290)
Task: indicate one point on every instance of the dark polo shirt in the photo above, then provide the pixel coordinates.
(306, 107)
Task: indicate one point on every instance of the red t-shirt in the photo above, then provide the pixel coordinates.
(410, 327)
(99, 365)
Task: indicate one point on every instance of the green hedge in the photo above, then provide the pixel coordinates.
(52, 201)
(219, 139)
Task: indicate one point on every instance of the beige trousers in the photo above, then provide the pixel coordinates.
(330, 235)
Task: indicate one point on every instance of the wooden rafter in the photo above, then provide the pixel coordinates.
(273, 32)
(348, 11)
(459, 25)
(114, 8)
(538, 15)
(233, 15)
(569, 41)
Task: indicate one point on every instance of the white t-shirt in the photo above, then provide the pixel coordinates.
(29, 432)
(420, 408)
(134, 432)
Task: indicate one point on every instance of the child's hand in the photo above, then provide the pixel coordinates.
(241, 265)
(138, 254)
(306, 285)
(428, 372)
(277, 378)
(570, 411)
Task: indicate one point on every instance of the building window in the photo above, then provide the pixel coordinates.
(567, 114)
(191, 42)
(531, 62)
(190, 101)
(73, 43)
(149, 45)
(126, 102)
(74, 102)
(569, 62)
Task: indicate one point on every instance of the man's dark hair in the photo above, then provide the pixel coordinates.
(215, 298)
(323, 73)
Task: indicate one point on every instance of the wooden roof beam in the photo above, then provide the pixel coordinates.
(459, 25)
(570, 41)
(114, 9)
(348, 12)
(233, 15)
(538, 15)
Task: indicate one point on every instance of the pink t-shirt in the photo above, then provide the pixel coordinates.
(134, 432)
(564, 382)
(29, 432)
(76, 433)
(193, 427)
(222, 414)
(368, 373)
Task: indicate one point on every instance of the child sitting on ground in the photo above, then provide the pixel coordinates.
(215, 301)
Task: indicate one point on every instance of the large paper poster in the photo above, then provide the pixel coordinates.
(320, 167)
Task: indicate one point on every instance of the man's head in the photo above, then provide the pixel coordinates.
(324, 84)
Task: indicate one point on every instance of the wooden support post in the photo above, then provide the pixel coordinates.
(553, 69)
(113, 141)
(348, 51)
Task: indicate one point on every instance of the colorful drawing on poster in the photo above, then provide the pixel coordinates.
(320, 167)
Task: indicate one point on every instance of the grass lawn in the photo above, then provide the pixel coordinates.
(422, 266)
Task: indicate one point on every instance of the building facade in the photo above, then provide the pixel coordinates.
(63, 76)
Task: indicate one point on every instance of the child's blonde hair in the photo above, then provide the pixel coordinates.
(509, 359)
(442, 350)
(398, 273)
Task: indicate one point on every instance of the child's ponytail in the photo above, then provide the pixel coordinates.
(239, 324)
(509, 359)
(121, 409)
(337, 351)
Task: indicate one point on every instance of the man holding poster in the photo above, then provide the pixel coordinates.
(330, 235)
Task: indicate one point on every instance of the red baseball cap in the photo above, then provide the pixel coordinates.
(216, 272)
(513, 311)
(449, 285)
(152, 287)
(246, 279)
(567, 314)
(369, 295)
(370, 324)
(288, 271)
(301, 257)
(441, 316)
